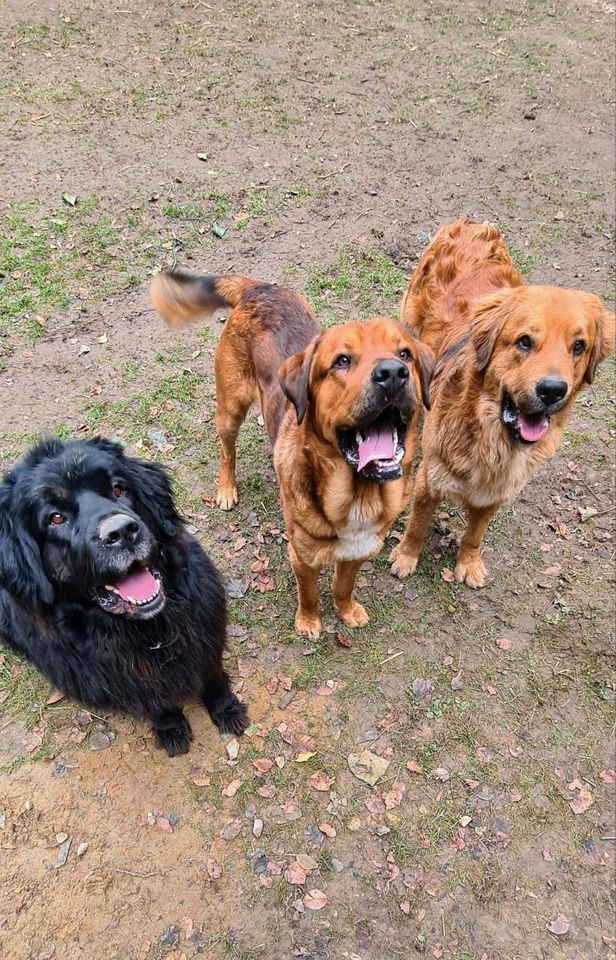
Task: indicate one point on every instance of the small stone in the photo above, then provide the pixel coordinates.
(170, 937)
(81, 849)
(257, 828)
(233, 749)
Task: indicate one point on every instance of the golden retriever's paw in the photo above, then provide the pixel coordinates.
(471, 571)
(353, 615)
(307, 626)
(226, 497)
(402, 564)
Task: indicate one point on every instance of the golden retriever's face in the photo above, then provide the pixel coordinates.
(537, 345)
(363, 383)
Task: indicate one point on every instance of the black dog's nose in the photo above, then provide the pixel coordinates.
(551, 390)
(118, 530)
(390, 375)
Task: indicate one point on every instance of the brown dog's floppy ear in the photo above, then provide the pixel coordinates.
(294, 375)
(426, 361)
(486, 322)
(605, 327)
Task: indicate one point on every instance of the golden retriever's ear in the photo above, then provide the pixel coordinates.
(605, 326)
(489, 315)
(426, 361)
(294, 376)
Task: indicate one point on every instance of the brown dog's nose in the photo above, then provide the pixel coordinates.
(551, 390)
(118, 530)
(390, 375)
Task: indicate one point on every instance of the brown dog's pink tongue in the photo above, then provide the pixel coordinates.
(532, 428)
(378, 445)
(140, 585)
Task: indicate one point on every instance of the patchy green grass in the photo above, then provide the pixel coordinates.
(363, 277)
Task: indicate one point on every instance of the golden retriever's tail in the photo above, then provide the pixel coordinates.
(181, 298)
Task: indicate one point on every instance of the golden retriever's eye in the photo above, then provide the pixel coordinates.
(118, 490)
(578, 348)
(405, 354)
(524, 344)
(56, 519)
(342, 361)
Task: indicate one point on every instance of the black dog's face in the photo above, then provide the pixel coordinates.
(85, 523)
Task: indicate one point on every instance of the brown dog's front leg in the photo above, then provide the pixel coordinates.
(469, 566)
(404, 557)
(349, 610)
(307, 623)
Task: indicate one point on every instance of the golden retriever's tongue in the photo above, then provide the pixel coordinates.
(378, 445)
(532, 428)
(140, 585)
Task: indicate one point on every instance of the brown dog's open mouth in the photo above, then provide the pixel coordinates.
(139, 594)
(375, 450)
(523, 427)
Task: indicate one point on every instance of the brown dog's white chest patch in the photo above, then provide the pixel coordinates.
(360, 536)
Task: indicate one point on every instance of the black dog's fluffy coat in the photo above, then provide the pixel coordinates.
(51, 579)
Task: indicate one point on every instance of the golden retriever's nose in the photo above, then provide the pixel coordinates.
(551, 390)
(390, 375)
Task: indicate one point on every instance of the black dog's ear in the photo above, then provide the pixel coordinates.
(108, 446)
(425, 359)
(151, 485)
(294, 376)
(21, 569)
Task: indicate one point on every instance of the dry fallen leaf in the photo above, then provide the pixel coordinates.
(328, 830)
(405, 907)
(483, 754)
(393, 797)
(263, 765)
(447, 575)
(303, 757)
(547, 856)
(315, 900)
(367, 766)
(441, 773)
(560, 926)
(503, 643)
(318, 781)
(198, 777)
(413, 766)
(583, 802)
(295, 874)
(608, 776)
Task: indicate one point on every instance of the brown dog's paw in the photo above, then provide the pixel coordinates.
(353, 615)
(401, 563)
(226, 498)
(307, 626)
(471, 571)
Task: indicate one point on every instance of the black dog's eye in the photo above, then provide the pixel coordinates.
(55, 519)
(578, 348)
(118, 490)
(524, 344)
(405, 354)
(342, 360)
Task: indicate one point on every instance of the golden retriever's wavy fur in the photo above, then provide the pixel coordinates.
(470, 306)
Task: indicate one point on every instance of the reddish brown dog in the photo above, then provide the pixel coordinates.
(510, 361)
(340, 407)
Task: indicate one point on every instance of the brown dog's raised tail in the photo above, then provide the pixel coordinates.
(181, 298)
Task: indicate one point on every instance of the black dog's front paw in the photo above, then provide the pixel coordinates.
(230, 715)
(172, 733)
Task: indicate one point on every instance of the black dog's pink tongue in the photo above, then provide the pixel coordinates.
(378, 444)
(140, 585)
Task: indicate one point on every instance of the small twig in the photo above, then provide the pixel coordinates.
(608, 838)
(335, 173)
(393, 657)
(133, 873)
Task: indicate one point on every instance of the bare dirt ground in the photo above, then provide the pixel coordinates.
(317, 144)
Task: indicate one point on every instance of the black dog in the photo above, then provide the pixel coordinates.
(102, 588)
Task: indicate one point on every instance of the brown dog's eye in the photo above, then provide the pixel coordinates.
(405, 354)
(524, 344)
(56, 519)
(578, 348)
(342, 360)
(118, 490)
